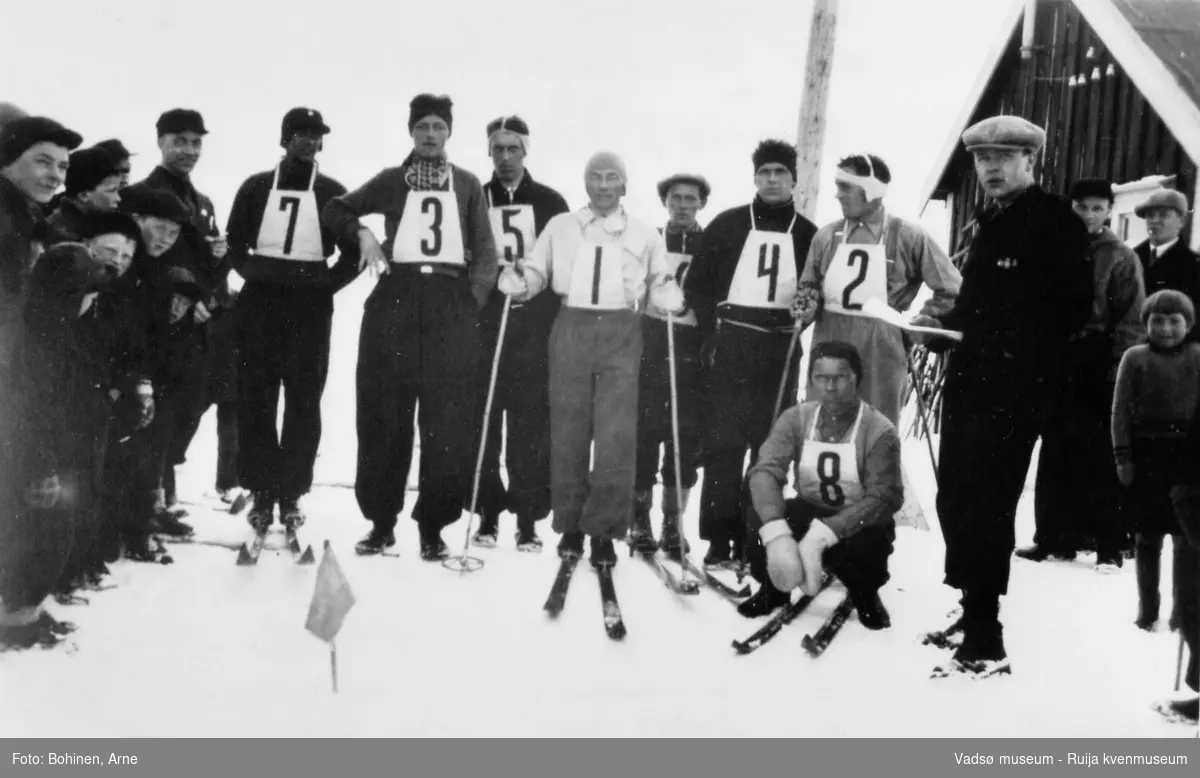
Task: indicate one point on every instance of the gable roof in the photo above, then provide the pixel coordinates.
(1156, 42)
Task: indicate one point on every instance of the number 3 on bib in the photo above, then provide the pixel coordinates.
(431, 205)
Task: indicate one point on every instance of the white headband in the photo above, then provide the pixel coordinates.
(871, 186)
(523, 138)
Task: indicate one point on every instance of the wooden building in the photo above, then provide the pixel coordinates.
(1115, 84)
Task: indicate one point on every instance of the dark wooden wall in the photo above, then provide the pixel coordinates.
(1101, 127)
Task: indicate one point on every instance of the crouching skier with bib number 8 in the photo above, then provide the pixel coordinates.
(600, 260)
(419, 341)
(846, 456)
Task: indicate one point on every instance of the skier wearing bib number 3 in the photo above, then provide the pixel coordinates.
(846, 456)
(285, 311)
(872, 255)
(419, 340)
(519, 209)
(601, 261)
(741, 285)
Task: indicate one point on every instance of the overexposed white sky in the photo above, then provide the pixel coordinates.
(668, 85)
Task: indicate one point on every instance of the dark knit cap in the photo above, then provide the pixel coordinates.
(836, 349)
(775, 151)
(114, 147)
(112, 224)
(20, 135)
(426, 104)
(1092, 187)
(145, 200)
(89, 168)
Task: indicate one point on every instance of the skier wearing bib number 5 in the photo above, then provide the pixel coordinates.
(872, 255)
(601, 261)
(419, 340)
(741, 285)
(519, 209)
(846, 457)
(285, 311)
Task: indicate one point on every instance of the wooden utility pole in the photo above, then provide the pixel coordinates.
(810, 136)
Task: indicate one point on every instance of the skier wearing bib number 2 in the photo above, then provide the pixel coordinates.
(601, 261)
(846, 456)
(285, 311)
(684, 195)
(519, 209)
(872, 255)
(419, 340)
(741, 285)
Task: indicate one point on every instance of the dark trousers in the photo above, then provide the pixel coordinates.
(130, 478)
(187, 422)
(419, 345)
(738, 414)
(88, 550)
(213, 382)
(992, 417)
(520, 409)
(654, 405)
(1187, 576)
(282, 341)
(594, 359)
(860, 561)
(1078, 495)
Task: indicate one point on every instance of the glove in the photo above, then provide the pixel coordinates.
(806, 303)
(784, 565)
(43, 494)
(811, 549)
(145, 405)
(1125, 474)
(513, 284)
(668, 297)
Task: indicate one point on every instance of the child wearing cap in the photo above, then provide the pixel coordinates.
(1158, 386)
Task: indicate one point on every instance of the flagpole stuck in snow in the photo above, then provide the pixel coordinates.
(332, 599)
(333, 663)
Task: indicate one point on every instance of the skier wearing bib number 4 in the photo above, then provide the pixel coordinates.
(601, 261)
(519, 209)
(846, 457)
(284, 312)
(683, 194)
(872, 255)
(741, 285)
(419, 341)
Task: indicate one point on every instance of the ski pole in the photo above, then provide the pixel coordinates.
(464, 563)
(1179, 662)
(685, 584)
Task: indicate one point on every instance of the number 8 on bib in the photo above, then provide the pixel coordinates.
(827, 475)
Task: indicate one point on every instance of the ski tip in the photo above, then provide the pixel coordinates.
(810, 646)
(244, 557)
(239, 504)
(307, 558)
(741, 648)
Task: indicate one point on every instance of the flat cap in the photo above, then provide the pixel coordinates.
(145, 200)
(300, 119)
(89, 167)
(1163, 198)
(114, 147)
(20, 135)
(1004, 132)
(665, 185)
(181, 120)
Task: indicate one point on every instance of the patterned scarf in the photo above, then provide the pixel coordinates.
(427, 174)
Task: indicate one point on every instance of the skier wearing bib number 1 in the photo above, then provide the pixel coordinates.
(872, 255)
(601, 261)
(684, 195)
(419, 340)
(519, 209)
(285, 311)
(741, 285)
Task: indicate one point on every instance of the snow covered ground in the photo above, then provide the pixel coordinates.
(206, 648)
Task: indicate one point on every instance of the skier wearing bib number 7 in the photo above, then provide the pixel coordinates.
(601, 261)
(519, 209)
(284, 313)
(684, 195)
(846, 457)
(872, 255)
(741, 285)
(419, 340)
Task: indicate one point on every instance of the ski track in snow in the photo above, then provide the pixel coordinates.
(205, 648)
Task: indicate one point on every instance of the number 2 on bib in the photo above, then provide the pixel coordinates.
(769, 270)
(829, 472)
(862, 258)
(434, 205)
